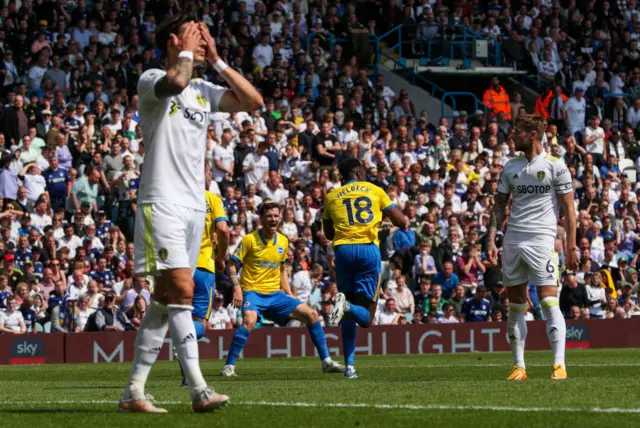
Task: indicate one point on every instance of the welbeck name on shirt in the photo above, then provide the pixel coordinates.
(286, 342)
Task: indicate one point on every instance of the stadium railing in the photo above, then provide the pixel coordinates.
(478, 105)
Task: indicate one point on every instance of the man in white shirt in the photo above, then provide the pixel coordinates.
(633, 114)
(34, 182)
(78, 283)
(348, 134)
(28, 153)
(273, 189)
(223, 158)
(114, 124)
(40, 218)
(305, 281)
(37, 71)
(219, 318)
(256, 166)
(594, 140)
(547, 69)
(263, 53)
(574, 111)
(70, 241)
(389, 316)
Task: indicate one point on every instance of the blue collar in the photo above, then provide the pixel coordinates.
(352, 181)
(264, 241)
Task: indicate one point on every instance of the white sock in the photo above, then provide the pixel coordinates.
(183, 334)
(517, 331)
(556, 328)
(149, 340)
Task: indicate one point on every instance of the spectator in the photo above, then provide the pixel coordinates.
(470, 268)
(137, 311)
(390, 315)
(595, 295)
(402, 296)
(497, 99)
(447, 279)
(421, 297)
(110, 318)
(12, 321)
(219, 318)
(83, 313)
(16, 122)
(477, 308)
(85, 190)
(457, 300)
(449, 315)
(574, 114)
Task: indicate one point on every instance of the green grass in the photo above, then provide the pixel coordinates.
(445, 390)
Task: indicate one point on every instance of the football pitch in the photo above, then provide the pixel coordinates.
(603, 389)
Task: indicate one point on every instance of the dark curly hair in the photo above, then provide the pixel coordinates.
(172, 25)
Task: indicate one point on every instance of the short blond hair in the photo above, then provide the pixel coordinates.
(531, 122)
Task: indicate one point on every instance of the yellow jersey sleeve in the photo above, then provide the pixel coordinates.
(217, 209)
(356, 210)
(243, 248)
(215, 213)
(385, 201)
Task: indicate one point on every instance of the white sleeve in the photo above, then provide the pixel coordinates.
(504, 186)
(213, 94)
(295, 282)
(147, 83)
(562, 181)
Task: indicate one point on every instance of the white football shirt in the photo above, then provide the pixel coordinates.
(226, 157)
(534, 187)
(175, 136)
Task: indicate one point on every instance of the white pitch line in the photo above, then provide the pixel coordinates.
(429, 366)
(361, 406)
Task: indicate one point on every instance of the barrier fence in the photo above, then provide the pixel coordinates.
(114, 347)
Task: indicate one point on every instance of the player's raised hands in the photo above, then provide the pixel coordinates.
(212, 51)
(189, 39)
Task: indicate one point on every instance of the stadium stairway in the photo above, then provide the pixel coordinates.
(422, 99)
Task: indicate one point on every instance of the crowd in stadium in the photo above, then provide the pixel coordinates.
(72, 150)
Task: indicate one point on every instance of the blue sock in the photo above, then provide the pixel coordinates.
(199, 329)
(319, 340)
(358, 313)
(349, 341)
(239, 340)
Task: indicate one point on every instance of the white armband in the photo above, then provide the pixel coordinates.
(220, 66)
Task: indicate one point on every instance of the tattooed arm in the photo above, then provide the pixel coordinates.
(496, 220)
(237, 290)
(176, 79)
(179, 75)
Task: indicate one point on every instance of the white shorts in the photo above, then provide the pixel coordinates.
(167, 236)
(523, 263)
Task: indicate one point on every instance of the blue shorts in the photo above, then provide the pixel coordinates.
(358, 269)
(203, 292)
(274, 306)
